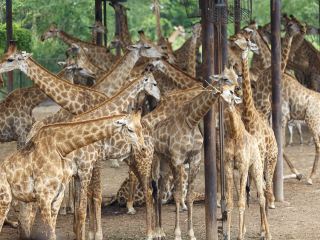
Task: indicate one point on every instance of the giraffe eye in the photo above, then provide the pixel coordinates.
(10, 60)
(146, 80)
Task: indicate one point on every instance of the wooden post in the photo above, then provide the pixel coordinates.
(275, 6)
(9, 39)
(98, 17)
(209, 129)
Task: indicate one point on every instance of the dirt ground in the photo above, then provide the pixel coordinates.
(297, 218)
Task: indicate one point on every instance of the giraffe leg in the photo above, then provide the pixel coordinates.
(63, 208)
(242, 202)
(55, 206)
(97, 199)
(81, 211)
(229, 195)
(290, 128)
(70, 198)
(132, 189)
(295, 172)
(271, 165)
(45, 209)
(177, 175)
(316, 160)
(298, 125)
(27, 214)
(193, 171)
(4, 209)
(257, 174)
(148, 196)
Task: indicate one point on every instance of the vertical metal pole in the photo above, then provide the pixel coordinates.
(276, 93)
(209, 129)
(9, 39)
(117, 33)
(237, 16)
(98, 17)
(105, 35)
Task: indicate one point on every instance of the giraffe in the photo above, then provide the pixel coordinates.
(121, 14)
(95, 29)
(45, 184)
(116, 104)
(16, 114)
(123, 193)
(242, 153)
(50, 84)
(254, 123)
(99, 55)
(187, 54)
(178, 31)
(178, 139)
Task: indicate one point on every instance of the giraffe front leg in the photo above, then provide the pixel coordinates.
(229, 195)
(132, 189)
(316, 160)
(27, 214)
(177, 176)
(193, 171)
(242, 202)
(45, 209)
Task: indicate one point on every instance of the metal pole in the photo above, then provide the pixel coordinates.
(237, 17)
(276, 93)
(105, 35)
(209, 130)
(98, 17)
(9, 39)
(117, 32)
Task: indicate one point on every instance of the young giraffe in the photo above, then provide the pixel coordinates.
(254, 123)
(242, 153)
(45, 183)
(97, 54)
(178, 141)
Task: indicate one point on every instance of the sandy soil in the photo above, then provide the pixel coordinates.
(297, 218)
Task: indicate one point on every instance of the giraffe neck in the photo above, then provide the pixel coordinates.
(115, 78)
(156, 6)
(235, 126)
(199, 106)
(34, 97)
(286, 46)
(248, 103)
(192, 57)
(265, 52)
(71, 136)
(68, 39)
(73, 98)
(181, 79)
(83, 60)
(117, 104)
(297, 42)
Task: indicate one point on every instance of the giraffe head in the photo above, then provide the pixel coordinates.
(51, 32)
(196, 30)
(147, 48)
(148, 84)
(98, 27)
(180, 30)
(293, 26)
(13, 59)
(228, 84)
(131, 129)
(239, 47)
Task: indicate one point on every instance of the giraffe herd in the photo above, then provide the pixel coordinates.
(145, 108)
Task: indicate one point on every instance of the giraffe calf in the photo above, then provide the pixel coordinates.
(242, 153)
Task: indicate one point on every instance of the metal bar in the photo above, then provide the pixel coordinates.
(117, 33)
(9, 39)
(276, 93)
(209, 130)
(98, 17)
(105, 35)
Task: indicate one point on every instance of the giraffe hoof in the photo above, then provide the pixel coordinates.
(12, 224)
(309, 181)
(299, 176)
(272, 205)
(131, 211)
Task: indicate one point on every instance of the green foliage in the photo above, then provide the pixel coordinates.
(21, 35)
